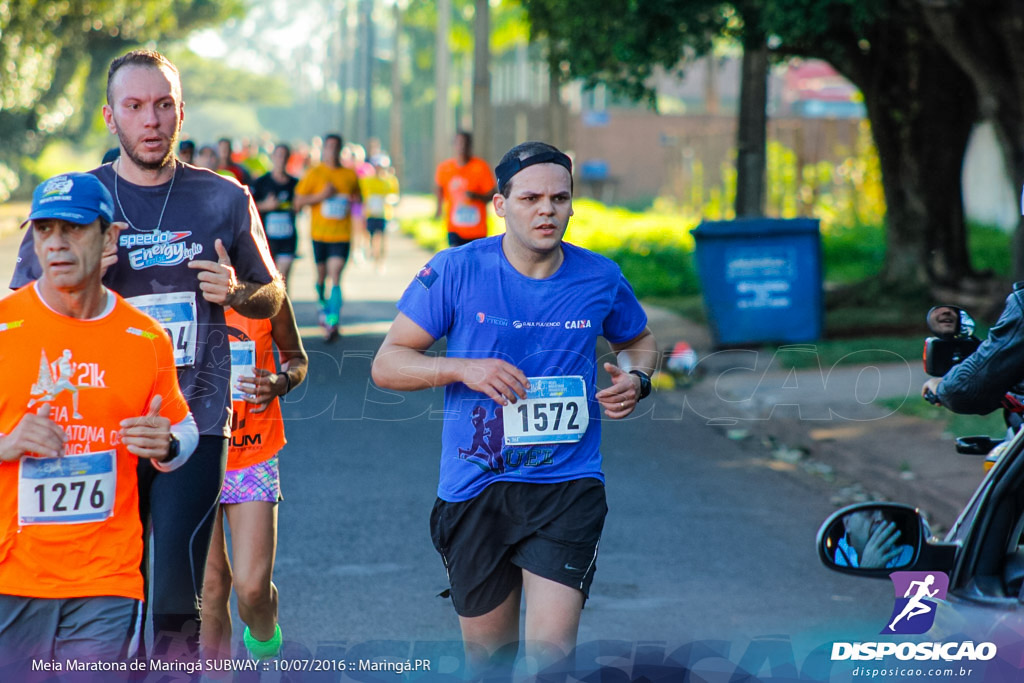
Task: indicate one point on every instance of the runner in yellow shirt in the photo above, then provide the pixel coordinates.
(331, 190)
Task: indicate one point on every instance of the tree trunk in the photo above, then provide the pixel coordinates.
(751, 135)
(396, 143)
(922, 108)
(557, 118)
(442, 129)
(988, 44)
(482, 141)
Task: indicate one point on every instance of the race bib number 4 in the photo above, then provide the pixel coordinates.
(69, 490)
(243, 358)
(176, 313)
(554, 411)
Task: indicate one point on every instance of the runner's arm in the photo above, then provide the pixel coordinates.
(440, 202)
(483, 196)
(220, 285)
(256, 300)
(403, 364)
(639, 353)
(265, 386)
(304, 200)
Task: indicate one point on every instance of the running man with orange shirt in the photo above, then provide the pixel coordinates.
(252, 485)
(103, 394)
(465, 185)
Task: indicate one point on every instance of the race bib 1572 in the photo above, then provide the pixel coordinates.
(554, 411)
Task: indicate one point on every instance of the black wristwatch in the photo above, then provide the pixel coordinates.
(173, 449)
(645, 383)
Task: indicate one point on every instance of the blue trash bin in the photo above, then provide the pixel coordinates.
(761, 279)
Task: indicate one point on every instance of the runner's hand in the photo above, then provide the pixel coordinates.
(620, 398)
(262, 389)
(502, 381)
(35, 433)
(148, 436)
(217, 279)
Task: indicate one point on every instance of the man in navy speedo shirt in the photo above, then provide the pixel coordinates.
(193, 245)
(521, 500)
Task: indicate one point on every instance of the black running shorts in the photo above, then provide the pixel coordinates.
(325, 250)
(551, 530)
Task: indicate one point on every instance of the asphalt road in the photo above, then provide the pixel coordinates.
(705, 540)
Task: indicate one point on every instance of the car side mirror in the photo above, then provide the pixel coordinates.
(950, 322)
(872, 539)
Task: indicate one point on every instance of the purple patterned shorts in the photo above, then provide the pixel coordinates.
(257, 483)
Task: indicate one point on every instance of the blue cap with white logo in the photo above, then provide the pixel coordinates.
(74, 197)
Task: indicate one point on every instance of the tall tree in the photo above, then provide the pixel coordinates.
(986, 39)
(442, 110)
(54, 58)
(482, 79)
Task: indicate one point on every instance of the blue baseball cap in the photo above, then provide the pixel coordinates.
(74, 197)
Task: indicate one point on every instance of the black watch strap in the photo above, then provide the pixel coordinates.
(645, 383)
(173, 449)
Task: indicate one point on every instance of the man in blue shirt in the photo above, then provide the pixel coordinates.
(521, 500)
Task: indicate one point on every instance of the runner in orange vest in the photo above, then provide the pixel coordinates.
(103, 394)
(465, 185)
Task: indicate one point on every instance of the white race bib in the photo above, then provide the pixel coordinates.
(375, 205)
(176, 313)
(279, 225)
(243, 359)
(69, 490)
(465, 215)
(336, 207)
(555, 411)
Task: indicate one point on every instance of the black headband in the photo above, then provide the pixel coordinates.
(508, 169)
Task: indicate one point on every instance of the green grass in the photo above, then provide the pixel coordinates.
(956, 425)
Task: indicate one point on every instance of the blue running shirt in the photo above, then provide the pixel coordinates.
(548, 328)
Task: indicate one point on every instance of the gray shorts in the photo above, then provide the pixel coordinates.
(104, 629)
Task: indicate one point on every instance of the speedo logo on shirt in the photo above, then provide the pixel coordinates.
(159, 248)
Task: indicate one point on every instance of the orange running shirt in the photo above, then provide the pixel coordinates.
(255, 437)
(69, 527)
(464, 216)
(332, 218)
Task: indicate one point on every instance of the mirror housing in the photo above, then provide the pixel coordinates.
(940, 355)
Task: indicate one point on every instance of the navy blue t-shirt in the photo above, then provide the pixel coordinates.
(202, 207)
(547, 328)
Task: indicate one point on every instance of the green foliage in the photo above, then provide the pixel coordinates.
(991, 249)
(54, 57)
(621, 42)
(210, 80)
